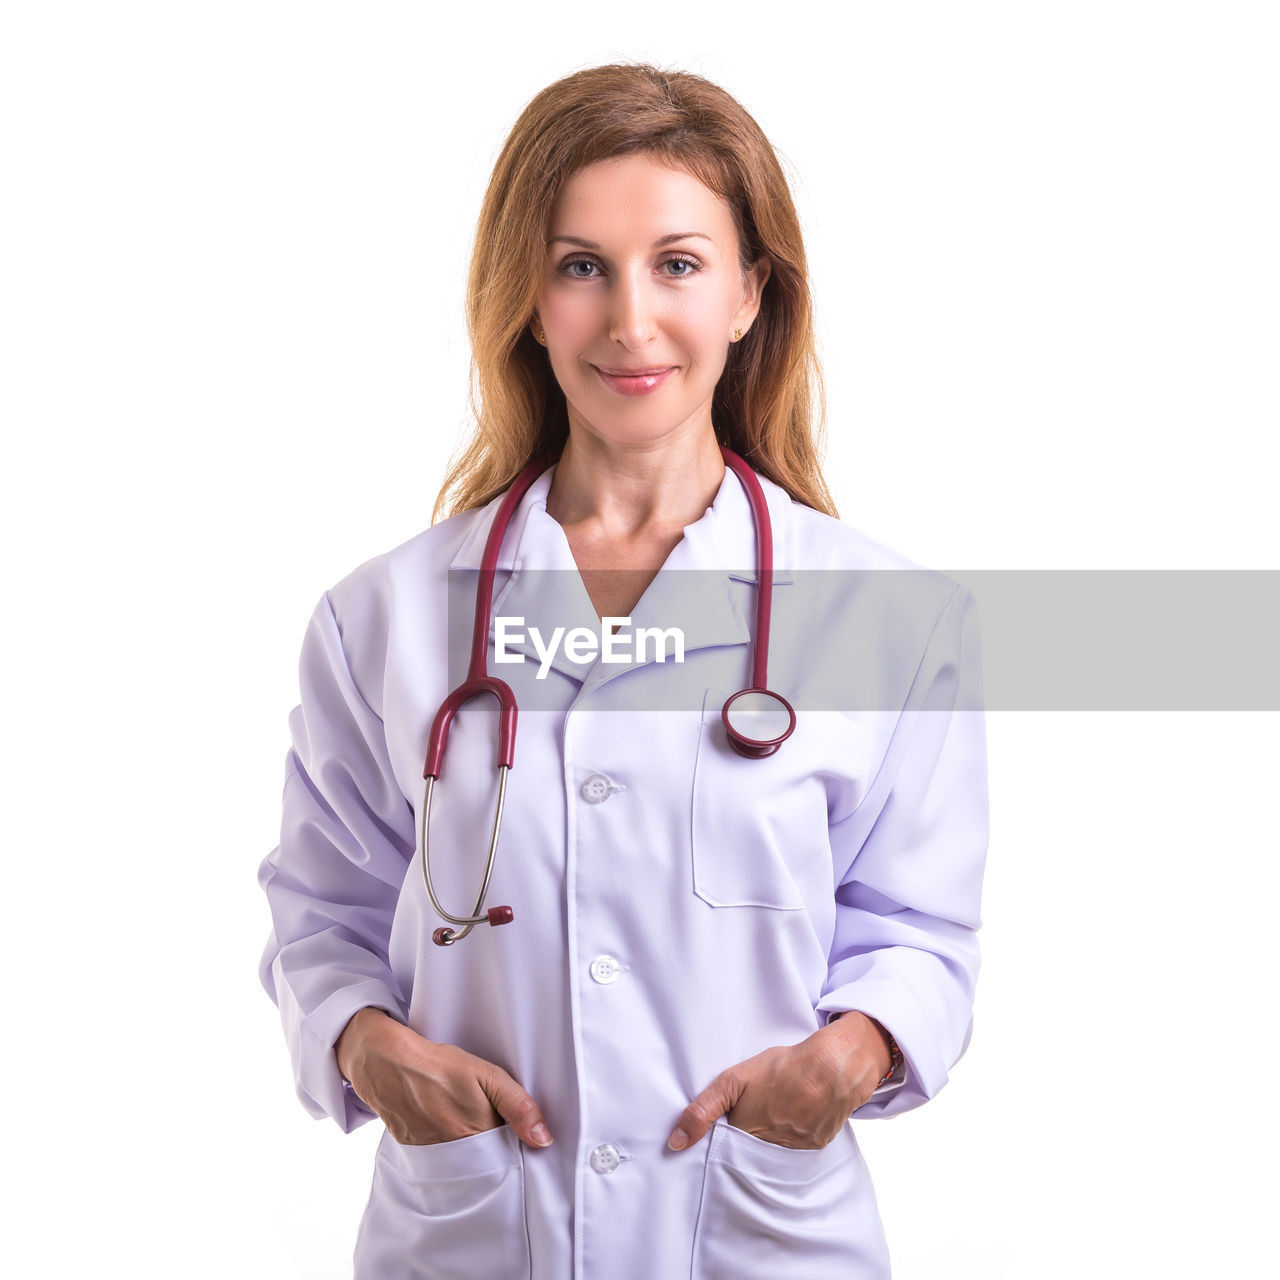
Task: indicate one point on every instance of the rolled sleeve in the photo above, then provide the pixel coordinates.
(905, 950)
(332, 883)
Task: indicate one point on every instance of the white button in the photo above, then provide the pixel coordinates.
(604, 1159)
(596, 789)
(605, 969)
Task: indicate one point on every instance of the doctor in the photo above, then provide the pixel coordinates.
(714, 961)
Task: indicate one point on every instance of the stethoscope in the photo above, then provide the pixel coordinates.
(750, 716)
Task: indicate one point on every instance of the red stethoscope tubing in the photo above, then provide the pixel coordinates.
(479, 680)
(764, 567)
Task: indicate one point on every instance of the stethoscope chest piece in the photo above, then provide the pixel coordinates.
(757, 722)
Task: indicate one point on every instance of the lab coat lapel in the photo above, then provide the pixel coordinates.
(538, 578)
(695, 589)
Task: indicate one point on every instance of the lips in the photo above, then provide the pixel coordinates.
(635, 382)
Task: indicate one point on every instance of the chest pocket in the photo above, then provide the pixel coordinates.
(760, 827)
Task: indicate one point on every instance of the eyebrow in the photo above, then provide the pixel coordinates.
(657, 244)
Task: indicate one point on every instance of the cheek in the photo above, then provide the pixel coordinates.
(572, 317)
(705, 314)
(703, 330)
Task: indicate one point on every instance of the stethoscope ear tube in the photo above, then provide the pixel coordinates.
(443, 936)
(478, 681)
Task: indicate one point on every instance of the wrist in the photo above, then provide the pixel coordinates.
(347, 1045)
(889, 1057)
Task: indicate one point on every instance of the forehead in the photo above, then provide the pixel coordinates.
(638, 196)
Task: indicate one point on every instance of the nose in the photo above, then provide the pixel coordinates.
(633, 313)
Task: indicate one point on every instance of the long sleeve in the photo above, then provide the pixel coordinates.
(905, 950)
(346, 839)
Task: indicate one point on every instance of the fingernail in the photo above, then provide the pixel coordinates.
(540, 1134)
(678, 1140)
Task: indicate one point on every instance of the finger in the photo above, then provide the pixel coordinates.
(517, 1108)
(717, 1099)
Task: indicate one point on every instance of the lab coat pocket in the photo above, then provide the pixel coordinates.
(759, 826)
(768, 1209)
(447, 1210)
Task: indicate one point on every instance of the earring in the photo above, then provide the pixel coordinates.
(542, 337)
(737, 335)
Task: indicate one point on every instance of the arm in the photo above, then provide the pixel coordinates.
(905, 951)
(332, 883)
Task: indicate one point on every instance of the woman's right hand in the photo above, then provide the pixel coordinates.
(427, 1092)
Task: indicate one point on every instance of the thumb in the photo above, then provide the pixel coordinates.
(517, 1108)
(716, 1100)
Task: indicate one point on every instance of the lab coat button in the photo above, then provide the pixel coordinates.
(604, 1159)
(596, 789)
(605, 969)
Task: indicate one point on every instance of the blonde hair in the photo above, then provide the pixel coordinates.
(764, 404)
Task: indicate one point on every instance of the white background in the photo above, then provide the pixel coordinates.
(234, 235)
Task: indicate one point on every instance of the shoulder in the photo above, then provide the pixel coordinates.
(900, 600)
(895, 623)
(425, 557)
(408, 580)
(822, 541)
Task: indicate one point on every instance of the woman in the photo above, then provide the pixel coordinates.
(646, 1073)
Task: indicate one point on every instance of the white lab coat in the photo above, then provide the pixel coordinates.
(678, 909)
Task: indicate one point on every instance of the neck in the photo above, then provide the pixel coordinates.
(624, 490)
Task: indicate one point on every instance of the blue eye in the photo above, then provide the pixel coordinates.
(692, 263)
(689, 266)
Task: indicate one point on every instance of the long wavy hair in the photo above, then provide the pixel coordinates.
(769, 404)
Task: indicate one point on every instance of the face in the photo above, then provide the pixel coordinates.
(641, 294)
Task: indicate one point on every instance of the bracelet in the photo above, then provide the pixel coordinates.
(895, 1057)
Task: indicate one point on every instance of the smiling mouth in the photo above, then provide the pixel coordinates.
(634, 382)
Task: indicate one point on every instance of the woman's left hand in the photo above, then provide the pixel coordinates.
(797, 1096)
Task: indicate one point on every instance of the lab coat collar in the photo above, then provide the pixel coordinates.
(720, 545)
(716, 533)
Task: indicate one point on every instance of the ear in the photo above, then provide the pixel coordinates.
(753, 282)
